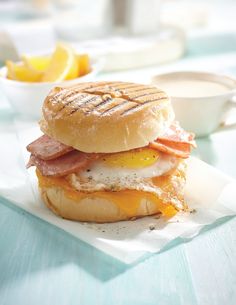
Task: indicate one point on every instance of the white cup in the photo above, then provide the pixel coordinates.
(202, 114)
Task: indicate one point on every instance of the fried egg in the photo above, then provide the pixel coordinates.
(125, 170)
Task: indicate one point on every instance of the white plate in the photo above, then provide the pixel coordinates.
(209, 191)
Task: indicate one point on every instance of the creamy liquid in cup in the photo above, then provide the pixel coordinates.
(200, 100)
(192, 88)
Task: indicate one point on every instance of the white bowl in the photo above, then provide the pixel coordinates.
(26, 98)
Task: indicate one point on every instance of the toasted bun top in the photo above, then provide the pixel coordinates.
(106, 117)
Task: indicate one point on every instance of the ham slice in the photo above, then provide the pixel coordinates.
(177, 134)
(47, 148)
(182, 151)
(175, 141)
(64, 165)
(53, 158)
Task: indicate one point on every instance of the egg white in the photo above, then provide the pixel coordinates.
(100, 176)
(101, 172)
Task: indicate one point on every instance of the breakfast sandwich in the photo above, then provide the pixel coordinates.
(110, 151)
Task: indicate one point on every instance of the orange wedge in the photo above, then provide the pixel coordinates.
(39, 63)
(22, 73)
(84, 64)
(61, 66)
(74, 70)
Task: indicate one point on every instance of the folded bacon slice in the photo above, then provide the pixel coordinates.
(175, 133)
(175, 141)
(53, 158)
(64, 165)
(180, 150)
(47, 148)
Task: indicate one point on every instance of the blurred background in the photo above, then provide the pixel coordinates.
(126, 33)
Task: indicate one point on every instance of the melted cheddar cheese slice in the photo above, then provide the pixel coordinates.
(127, 200)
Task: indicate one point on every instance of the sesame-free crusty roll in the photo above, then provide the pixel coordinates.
(106, 117)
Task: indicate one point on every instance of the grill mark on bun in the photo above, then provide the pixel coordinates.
(105, 102)
(104, 98)
(64, 95)
(113, 92)
(139, 106)
(136, 97)
(100, 89)
(139, 89)
(70, 91)
(70, 101)
(144, 89)
(125, 90)
(119, 93)
(81, 105)
(115, 108)
(125, 86)
(78, 88)
(83, 87)
(99, 92)
(112, 89)
(83, 99)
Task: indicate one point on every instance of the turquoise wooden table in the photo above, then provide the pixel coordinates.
(40, 264)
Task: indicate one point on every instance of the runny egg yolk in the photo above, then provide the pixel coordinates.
(132, 159)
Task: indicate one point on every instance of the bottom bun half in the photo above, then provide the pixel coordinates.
(92, 208)
(104, 207)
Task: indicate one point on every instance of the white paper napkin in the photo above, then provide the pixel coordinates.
(208, 191)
